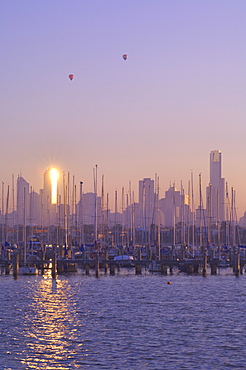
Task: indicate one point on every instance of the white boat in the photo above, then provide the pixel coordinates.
(27, 270)
(124, 260)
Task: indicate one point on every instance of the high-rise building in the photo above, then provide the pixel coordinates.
(23, 205)
(216, 189)
(147, 202)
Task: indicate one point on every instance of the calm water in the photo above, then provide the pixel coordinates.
(123, 322)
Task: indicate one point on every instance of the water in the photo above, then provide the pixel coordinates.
(123, 322)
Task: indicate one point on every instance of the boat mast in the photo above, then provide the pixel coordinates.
(24, 225)
(13, 204)
(81, 242)
(107, 217)
(95, 205)
(123, 224)
(174, 217)
(193, 216)
(102, 211)
(200, 211)
(133, 220)
(218, 222)
(6, 216)
(158, 220)
(232, 217)
(115, 220)
(209, 211)
(2, 218)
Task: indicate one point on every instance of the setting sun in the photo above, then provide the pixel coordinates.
(54, 174)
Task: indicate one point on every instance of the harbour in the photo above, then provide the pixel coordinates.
(98, 260)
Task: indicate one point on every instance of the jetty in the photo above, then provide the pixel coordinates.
(101, 261)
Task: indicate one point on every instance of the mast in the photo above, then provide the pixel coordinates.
(24, 225)
(123, 224)
(218, 221)
(174, 217)
(193, 216)
(102, 211)
(188, 216)
(81, 218)
(65, 212)
(2, 218)
(107, 217)
(182, 231)
(6, 216)
(209, 212)
(158, 220)
(95, 209)
(13, 202)
(133, 220)
(200, 211)
(68, 213)
(75, 214)
(127, 221)
(115, 219)
(232, 217)
(131, 215)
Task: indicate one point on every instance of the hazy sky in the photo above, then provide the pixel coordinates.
(180, 94)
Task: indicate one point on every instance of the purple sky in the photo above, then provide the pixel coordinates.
(180, 94)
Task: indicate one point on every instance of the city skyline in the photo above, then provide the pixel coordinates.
(178, 96)
(217, 201)
(143, 192)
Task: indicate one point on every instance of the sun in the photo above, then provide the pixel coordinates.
(54, 175)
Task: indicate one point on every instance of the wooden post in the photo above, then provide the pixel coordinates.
(138, 269)
(112, 268)
(16, 265)
(237, 263)
(7, 263)
(54, 265)
(106, 262)
(42, 263)
(204, 267)
(213, 266)
(97, 264)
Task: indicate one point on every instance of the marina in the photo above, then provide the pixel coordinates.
(97, 261)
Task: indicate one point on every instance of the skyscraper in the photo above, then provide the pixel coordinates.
(147, 202)
(216, 189)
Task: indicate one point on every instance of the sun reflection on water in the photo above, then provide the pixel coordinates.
(51, 330)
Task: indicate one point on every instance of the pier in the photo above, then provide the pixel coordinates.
(100, 263)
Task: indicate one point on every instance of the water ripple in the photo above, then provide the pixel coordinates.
(122, 322)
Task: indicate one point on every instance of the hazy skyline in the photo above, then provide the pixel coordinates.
(180, 94)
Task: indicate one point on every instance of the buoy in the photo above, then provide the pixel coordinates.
(169, 282)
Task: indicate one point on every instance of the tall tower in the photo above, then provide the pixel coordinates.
(23, 206)
(216, 190)
(147, 201)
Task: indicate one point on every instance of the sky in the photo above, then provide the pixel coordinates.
(178, 96)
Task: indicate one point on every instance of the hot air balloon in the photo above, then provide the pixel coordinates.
(125, 56)
(71, 77)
